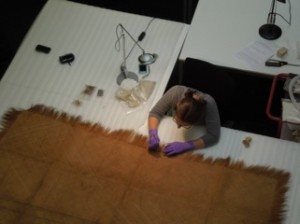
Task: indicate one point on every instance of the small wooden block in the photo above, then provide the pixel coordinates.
(281, 52)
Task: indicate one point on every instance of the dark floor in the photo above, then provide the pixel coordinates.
(251, 95)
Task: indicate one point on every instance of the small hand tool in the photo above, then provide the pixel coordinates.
(278, 63)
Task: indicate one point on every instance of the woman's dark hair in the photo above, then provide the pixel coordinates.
(191, 107)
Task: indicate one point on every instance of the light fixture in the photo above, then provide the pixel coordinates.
(270, 30)
(144, 58)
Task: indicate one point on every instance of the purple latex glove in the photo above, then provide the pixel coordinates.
(178, 147)
(153, 142)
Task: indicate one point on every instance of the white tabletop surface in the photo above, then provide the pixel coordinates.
(221, 29)
(90, 34)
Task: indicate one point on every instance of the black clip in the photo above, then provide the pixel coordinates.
(275, 63)
(67, 58)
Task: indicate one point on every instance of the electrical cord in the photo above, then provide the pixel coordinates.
(140, 38)
(143, 34)
(290, 14)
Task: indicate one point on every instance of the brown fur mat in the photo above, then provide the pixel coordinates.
(57, 169)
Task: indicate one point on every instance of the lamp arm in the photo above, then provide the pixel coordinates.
(272, 13)
(123, 28)
(123, 65)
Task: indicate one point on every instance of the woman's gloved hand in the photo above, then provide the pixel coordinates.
(178, 147)
(153, 142)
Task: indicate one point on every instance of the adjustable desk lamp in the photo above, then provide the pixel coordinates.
(270, 31)
(144, 58)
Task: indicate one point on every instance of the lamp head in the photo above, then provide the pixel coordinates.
(147, 58)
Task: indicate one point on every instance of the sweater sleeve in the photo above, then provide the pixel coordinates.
(212, 122)
(167, 101)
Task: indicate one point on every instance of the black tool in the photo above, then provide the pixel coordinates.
(67, 58)
(42, 48)
(278, 63)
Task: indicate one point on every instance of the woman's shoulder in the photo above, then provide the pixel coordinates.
(179, 89)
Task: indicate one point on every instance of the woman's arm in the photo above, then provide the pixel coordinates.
(153, 122)
(212, 123)
(199, 143)
(158, 111)
(166, 102)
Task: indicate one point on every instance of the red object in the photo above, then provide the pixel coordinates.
(278, 119)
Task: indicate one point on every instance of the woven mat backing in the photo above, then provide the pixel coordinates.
(56, 169)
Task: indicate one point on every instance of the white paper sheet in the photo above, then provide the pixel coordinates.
(256, 53)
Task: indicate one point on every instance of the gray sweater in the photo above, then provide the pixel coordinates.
(211, 119)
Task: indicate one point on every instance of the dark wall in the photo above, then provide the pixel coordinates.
(176, 10)
(16, 18)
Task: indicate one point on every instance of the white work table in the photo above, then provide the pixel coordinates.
(221, 29)
(90, 34)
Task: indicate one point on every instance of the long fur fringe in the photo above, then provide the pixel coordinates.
(132, 137)
(129, 136)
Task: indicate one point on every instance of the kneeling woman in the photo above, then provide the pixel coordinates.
(189, 107)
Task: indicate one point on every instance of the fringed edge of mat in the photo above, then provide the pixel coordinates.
(279, 210)
(8, 119)
(129, 136)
